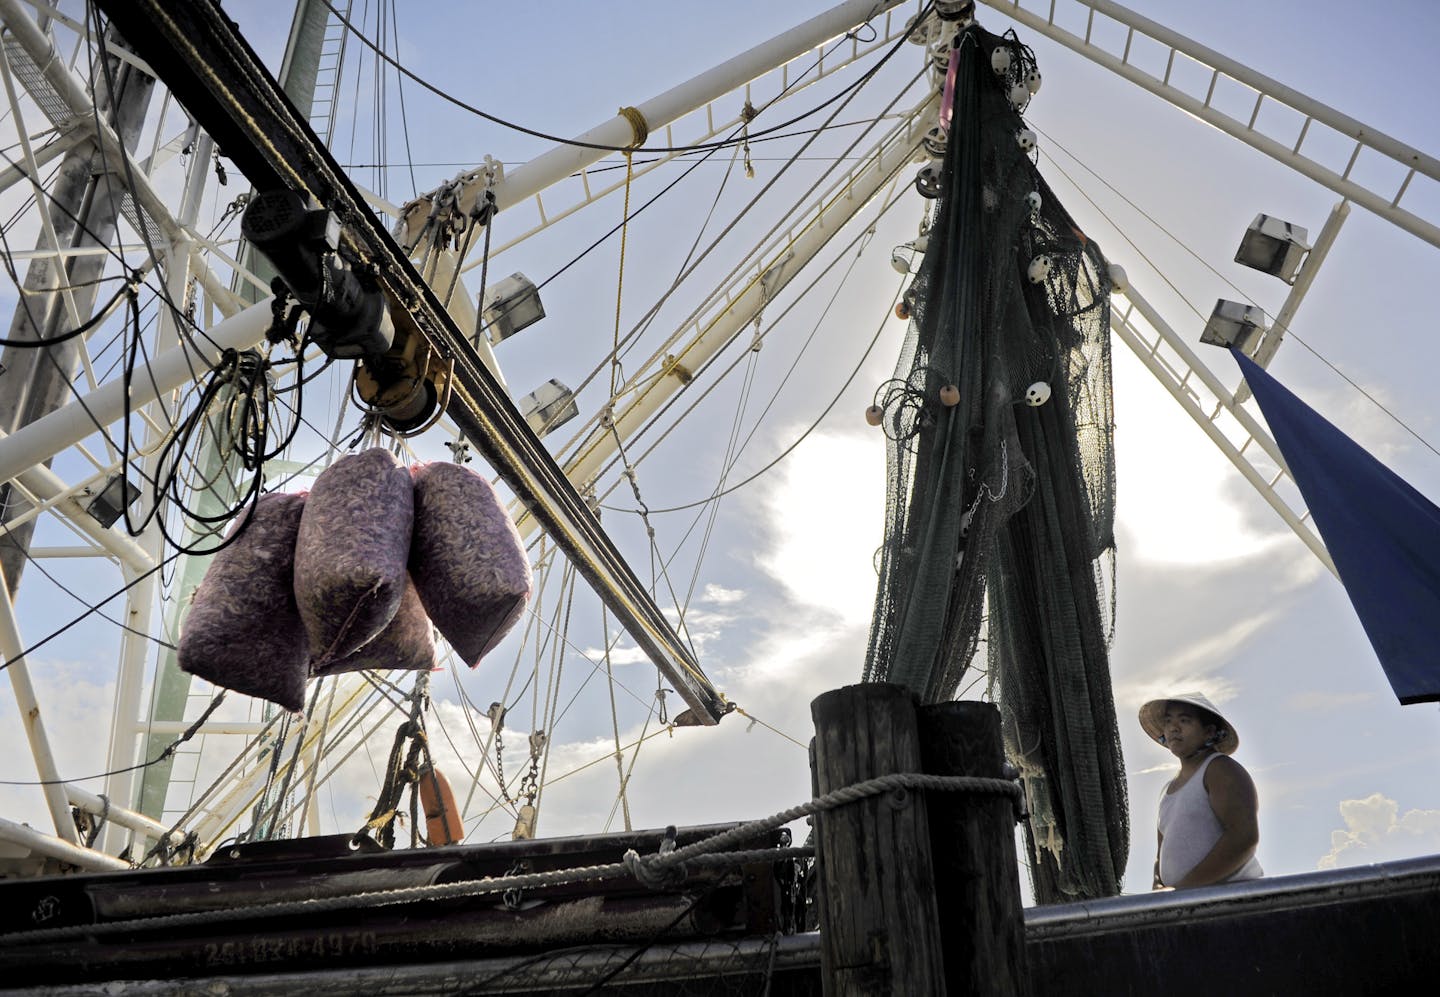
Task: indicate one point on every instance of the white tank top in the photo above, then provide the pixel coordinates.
(1189, 829)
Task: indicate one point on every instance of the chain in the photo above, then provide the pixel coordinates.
(496, 713)
(530, 785)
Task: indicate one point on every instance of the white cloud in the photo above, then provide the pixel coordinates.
(718, 595)
(1153, 769)
(1376, 831)
(75, 710)
(826, 514)
(1180, 676)
(627, 654)
(1177, 493)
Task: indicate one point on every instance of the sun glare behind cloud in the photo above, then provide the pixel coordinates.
(827, 511)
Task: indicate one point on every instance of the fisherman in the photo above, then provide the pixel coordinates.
(1208, 824)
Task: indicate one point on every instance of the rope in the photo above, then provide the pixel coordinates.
(707, 853)
(639, 127)
(830, 801)
(659, 567)
(622, 797)
(620, 279)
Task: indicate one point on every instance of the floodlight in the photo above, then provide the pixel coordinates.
(549, 406)
(1235, 324)
(1273, 246)
(111, 500)
(511, 305)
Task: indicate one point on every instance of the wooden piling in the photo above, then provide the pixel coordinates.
(972, 838)
(878, 921)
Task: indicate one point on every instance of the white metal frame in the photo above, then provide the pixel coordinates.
(1386, 204)
(1230, 426)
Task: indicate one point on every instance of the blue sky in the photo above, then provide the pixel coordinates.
(1213, 591)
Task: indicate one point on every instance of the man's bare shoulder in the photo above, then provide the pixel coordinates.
(1225, 773)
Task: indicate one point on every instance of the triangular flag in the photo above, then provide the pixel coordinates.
(1383, 535)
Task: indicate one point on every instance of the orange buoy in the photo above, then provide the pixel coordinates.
(950, 396)
(902, 309)
(442, 817)
(874, 415)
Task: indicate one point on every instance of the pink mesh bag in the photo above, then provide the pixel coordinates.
(407, 643)
(244, 631)
(466, 558)
(350, 552)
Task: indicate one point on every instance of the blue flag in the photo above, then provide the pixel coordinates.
(1383, 535)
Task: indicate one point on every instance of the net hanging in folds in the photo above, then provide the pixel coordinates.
(1000, 507)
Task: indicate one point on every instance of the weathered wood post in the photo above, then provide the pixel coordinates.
(972, 840)
(879, 932)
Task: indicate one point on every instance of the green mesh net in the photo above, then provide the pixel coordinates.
(1000, 507)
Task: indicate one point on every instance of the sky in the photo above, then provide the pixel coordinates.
(1214, 592)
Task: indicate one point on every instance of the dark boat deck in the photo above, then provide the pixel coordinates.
(1366, 930)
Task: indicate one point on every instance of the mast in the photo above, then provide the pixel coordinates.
(83, 212)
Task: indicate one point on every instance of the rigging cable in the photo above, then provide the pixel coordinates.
(577, 437)
(314, 769)
(95, 608)
(400, 90)
(36, 561)
(542, 573)
(468, 706)
(1189, 304)
(622, 795)
(655, 556)
(864, 78)
(739, 130)
(63, 374)
(164, 754)
(854, 373)
(613, 165)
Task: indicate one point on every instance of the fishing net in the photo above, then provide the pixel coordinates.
(1000, 502)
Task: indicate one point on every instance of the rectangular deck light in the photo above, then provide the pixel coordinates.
(1273, 246)
(111, 500)
(1235, 324)
(511, 305)
(549, 407)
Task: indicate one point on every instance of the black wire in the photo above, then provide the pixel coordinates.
(100, 314)
(184, 323)
(864, 78)
(643, 323)
(24, 302)
(620, 166)
(183, 320)
(80, 599)
(89, 612)
(400, 89)
(244, 375)
(57, 206)
(624, 221)
(655, 308)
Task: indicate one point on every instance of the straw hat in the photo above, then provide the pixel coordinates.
(1152, 716)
